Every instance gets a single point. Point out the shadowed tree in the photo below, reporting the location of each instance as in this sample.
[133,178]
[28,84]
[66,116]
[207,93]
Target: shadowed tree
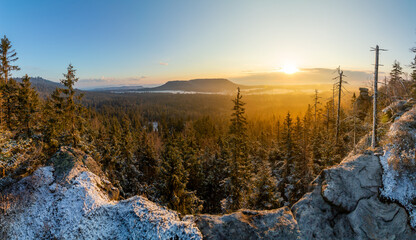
[66,121]
[238,184]
[8,90]
[28,103]
[7,57]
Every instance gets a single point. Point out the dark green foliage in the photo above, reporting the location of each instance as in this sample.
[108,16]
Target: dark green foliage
[28,107]
[239,182]
[7,57]
[396,84]
[10,106]
[65,123]
[413,65]
[174,180]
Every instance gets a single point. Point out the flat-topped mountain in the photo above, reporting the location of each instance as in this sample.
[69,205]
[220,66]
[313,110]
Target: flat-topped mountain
[197,85]
[120,88]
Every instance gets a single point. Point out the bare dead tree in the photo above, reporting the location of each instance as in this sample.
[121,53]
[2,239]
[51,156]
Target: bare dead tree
[340,88]
[374,135]
[315,105]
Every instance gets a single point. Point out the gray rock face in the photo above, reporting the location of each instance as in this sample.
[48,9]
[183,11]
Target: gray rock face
[248,224]
[357,177]
[345,205]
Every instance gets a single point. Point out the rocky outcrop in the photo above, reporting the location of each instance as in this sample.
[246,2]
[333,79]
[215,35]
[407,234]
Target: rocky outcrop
[363,103]
[69,201]
[345,204]
[248,224]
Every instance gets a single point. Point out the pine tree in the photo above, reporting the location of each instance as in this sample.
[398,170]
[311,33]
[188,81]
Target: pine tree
[267,195]
[173,181]
[10,103]
[147,157]
[215,169]
[7,57]
[66,120]
[8,90]
[28,106]
[413,65]
[396,80]
[239,180]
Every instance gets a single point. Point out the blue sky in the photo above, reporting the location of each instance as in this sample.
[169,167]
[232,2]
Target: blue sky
[150,42]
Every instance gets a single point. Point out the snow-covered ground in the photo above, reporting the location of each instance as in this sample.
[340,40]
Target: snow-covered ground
[398,163]
[78,208]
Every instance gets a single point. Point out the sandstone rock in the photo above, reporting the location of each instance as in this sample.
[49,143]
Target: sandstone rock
[354,178]
[373,219]
[78,208]
[244,224]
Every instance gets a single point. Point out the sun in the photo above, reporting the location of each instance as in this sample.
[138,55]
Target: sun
[289,69]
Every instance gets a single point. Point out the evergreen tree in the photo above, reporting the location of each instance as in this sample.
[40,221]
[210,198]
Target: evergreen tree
[10,103]
[267,195]
[7,57]
[396,81]
[8,90]
[413,65]
[215,173]
[239,180]
[28,106]
[173,181]
[66,113]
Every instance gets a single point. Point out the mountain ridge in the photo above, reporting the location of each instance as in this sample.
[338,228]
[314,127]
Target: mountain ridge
[197,85]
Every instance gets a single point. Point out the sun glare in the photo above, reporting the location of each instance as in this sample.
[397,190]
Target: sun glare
[289,69]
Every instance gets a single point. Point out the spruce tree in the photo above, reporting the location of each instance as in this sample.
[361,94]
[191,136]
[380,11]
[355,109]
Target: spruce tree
[173,181]
[27,107]
[240,174]
[10,103]
[8,91]
[413,65]
[396,80]
[267,195]
[66,120]
[7,57]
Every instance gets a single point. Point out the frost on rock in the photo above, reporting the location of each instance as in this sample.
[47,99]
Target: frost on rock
[44,206]
[398,163]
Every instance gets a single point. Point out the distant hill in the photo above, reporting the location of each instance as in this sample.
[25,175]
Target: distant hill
[121,88]
[43,86]
[197,85]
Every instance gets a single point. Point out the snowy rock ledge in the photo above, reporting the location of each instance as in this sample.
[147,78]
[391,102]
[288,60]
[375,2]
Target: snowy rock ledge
[399,166]
[75,205]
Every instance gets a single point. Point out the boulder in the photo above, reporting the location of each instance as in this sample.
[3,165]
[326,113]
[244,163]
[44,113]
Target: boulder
[249,224]
[72,204]
[355,178]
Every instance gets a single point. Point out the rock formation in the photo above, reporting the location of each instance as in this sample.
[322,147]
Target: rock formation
[69,201]
[363,103]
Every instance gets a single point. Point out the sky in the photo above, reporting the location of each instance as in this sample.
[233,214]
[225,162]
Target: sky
[150,42]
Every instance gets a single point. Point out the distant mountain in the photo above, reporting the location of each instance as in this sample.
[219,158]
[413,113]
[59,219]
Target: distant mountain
[43,86]
[197,85]
[121,88]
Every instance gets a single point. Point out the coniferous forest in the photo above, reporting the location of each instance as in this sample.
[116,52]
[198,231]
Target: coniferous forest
[192,153]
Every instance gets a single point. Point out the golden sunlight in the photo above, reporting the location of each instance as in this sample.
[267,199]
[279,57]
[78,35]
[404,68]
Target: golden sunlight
[289,69]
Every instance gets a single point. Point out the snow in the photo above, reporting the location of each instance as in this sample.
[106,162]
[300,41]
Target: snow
[398,163]
[81,210]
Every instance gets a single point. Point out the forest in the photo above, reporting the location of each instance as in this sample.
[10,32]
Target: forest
[191,153]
